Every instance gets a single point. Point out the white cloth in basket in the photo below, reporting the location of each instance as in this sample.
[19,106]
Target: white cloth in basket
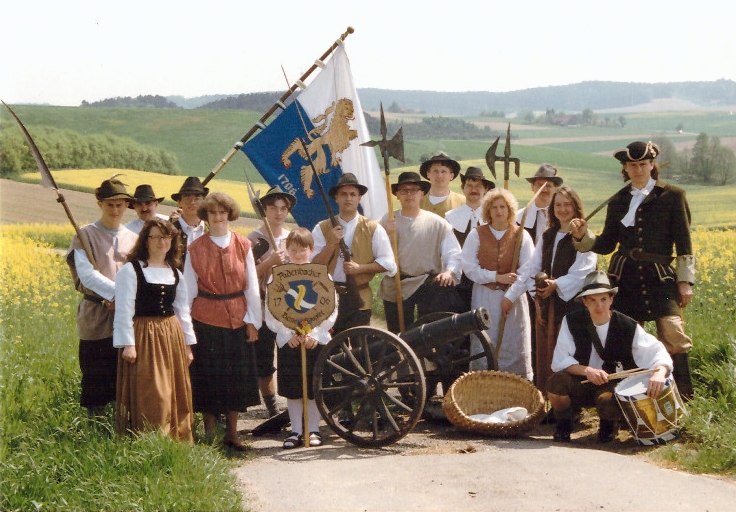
[508,415]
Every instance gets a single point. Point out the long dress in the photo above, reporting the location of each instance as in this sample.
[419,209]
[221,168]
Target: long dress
[222,286]
[515,354]
[152,313]
[556,256]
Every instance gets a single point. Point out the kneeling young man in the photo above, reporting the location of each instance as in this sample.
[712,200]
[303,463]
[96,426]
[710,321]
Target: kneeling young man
[593,343]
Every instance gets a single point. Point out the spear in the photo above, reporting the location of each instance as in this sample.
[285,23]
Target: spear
[47,181]
[279,104]
[392,148]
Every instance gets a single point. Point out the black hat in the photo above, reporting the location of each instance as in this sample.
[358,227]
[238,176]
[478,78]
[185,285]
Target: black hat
[546,172]
[191,185]
[144,193]
[636,151]
[595,282]
[475,173]
[112,189]
[347,178]
[441,158]
[275,192]
[411,177]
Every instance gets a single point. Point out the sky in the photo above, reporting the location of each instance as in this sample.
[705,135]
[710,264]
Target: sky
[61,53]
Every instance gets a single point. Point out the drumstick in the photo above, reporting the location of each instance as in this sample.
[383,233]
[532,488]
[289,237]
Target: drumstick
[625,373]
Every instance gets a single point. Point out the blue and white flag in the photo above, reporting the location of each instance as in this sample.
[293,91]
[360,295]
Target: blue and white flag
[331,111]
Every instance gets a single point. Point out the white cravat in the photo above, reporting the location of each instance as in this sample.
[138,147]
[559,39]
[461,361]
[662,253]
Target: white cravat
[637,198]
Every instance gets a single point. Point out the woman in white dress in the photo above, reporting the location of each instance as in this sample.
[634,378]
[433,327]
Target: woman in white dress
[486,259]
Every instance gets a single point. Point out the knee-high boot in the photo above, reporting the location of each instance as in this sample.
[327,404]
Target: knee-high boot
[681,374]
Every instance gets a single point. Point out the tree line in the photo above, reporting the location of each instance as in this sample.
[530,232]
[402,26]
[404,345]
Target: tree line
[435,127]
[147,101]
[67,149]
[707,162]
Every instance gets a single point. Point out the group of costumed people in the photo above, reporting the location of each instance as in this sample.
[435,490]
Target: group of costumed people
[167,298]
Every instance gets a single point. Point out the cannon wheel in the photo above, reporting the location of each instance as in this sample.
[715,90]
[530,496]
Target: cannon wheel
[360,379]
[454,359]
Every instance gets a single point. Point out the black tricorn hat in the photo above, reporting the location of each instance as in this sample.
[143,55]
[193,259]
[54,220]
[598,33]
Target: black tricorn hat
[441,158]
[144,193]
[475,173]
[636,151]
[191,185]
[546,172]
[347,178]
[275,192]
[112,189]
[411,177]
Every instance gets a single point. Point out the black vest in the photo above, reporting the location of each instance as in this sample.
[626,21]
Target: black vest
[154,299]
[619,340]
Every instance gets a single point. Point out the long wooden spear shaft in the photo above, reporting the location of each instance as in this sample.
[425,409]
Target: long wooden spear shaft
[47,181]
[515,263]
[279,104]
[392,148]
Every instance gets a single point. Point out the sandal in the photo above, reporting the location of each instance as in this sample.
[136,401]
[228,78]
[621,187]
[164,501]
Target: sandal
[315,439]
[293,441]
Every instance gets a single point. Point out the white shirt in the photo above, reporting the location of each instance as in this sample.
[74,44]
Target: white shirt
[380,244]
[136,225]
[253,315]
[192,232]
[648,351]
[91,278]
[570,284]
[462,215]
[126,289]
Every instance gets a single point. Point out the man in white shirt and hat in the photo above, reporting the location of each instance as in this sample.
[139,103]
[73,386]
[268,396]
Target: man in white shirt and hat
[145,206]
[536,220]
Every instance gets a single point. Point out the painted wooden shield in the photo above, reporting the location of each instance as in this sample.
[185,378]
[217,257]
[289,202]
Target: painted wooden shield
[301,296]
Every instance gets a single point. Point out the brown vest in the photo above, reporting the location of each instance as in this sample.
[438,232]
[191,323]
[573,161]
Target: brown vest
[497,254]
[361,252]
[220,271]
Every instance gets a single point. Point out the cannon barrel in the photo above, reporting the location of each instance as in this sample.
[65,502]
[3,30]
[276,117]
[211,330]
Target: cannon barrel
[423,339]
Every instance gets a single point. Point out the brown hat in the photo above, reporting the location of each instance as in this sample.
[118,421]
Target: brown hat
[410,177]
[595,282]
[191,185]
[112,189]
[275,192]
[636,151]
[347,178]
[547,172]
[475,173]
[443,159]
[144,193]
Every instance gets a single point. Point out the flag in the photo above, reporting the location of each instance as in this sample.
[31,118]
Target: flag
[330,109]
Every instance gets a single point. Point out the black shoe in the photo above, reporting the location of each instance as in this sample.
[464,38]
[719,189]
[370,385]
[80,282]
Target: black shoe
[607,431]
[563,429]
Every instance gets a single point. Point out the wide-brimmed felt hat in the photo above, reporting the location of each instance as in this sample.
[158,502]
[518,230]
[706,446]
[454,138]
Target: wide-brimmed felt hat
[637,150]
[475,173]
[191,185]
[144,193]
[275,192]
[112,189]
[596,282]
[439,158]
[547,172]
[347,178]
[411,177]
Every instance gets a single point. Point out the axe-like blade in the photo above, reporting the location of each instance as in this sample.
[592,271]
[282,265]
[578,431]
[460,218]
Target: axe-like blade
[255,201]
[395,146]
[491,157]
[389,148]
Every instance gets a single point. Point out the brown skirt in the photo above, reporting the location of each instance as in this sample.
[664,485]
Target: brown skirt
[155,392]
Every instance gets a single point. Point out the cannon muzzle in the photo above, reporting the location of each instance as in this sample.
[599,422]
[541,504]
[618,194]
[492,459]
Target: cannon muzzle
[425,338]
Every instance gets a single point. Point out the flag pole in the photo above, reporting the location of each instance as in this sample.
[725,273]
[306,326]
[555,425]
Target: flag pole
[279,104]
[48,181]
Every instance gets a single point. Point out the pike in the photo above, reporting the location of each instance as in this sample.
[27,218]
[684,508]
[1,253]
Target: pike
[491,159]
[392,148]
[352,297]
[279,104]
[47,181]
[515,263]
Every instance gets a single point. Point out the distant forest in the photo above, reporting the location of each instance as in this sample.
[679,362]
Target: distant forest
[594,95]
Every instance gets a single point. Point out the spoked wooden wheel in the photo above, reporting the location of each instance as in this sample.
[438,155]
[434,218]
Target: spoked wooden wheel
[360,380]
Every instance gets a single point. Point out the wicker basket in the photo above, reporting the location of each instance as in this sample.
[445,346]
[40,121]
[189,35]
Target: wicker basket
[486,392]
